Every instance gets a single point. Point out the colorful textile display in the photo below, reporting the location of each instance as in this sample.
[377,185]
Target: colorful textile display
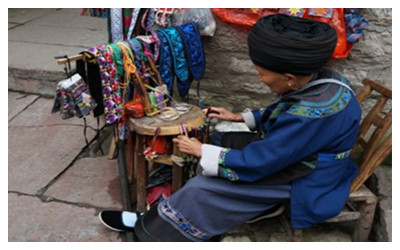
[128,70]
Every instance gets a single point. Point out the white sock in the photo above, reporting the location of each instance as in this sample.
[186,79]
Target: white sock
[129,218]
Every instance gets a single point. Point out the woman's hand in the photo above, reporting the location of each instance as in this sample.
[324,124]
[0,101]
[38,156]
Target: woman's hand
[223,114]
[188,145]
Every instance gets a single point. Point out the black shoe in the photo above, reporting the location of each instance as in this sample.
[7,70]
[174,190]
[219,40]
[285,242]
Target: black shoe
[113,220]
[272,212]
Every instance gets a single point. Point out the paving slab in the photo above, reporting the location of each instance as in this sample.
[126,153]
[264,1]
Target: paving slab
[39,114]
[31,33]
[41,146]
[71,18]
[18,102]
[36,36]
[36,56]
[12,25]
[93,181]
[37,155]
[30,219]
[21,16]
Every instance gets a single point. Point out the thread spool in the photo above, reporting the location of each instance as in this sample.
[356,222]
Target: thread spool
[153,101]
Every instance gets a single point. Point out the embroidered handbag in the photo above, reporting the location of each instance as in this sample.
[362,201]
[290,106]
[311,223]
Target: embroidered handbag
[73,98]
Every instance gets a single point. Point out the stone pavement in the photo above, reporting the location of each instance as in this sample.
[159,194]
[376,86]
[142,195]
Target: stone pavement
[54,190]
[56,184]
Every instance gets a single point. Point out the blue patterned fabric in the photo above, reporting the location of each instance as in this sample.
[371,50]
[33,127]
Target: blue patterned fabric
[181,54]
[355,24]
[179,60]
[209,206]
[165,62]
[164,208]
[178,53]
[194,49]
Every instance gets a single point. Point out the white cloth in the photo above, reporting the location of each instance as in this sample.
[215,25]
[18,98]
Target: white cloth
[209,159]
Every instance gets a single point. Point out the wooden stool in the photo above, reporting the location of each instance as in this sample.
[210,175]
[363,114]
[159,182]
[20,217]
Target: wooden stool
[137,165]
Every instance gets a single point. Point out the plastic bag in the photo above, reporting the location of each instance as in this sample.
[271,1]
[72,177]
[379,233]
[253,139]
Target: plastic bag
[332,16]
[203,17]
[335,18]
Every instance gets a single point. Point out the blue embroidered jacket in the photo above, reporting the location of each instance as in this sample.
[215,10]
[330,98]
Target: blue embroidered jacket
[319,123]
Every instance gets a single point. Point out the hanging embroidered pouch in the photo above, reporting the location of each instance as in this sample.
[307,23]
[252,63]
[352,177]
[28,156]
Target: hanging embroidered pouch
[73,98]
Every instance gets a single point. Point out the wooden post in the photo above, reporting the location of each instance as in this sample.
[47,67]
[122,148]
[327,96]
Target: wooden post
[177,171]
[112,151]
[129,156]
[141,174]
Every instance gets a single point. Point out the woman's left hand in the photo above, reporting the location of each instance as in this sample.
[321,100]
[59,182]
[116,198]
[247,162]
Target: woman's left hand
[188,145]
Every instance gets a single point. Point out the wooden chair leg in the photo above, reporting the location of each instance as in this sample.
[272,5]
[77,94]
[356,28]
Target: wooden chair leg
[363,226]
[177,171]
[130,148]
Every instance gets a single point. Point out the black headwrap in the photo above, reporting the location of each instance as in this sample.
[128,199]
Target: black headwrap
[288,44]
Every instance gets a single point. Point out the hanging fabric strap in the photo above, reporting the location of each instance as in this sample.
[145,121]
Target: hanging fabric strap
[180,63]
[178,53]
[98,136]
[135,14]
[194,49]
[194,54]
[116,24]
[165,62]
[137,49]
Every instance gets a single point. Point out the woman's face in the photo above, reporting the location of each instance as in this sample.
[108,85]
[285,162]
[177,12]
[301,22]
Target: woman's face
[277,83]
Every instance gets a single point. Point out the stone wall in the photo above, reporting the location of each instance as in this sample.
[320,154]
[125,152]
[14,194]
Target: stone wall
[231,81]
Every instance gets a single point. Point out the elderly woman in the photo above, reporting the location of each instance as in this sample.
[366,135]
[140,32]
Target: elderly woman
[299,150]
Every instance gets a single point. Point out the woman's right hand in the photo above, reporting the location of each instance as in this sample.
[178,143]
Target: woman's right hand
[223,114]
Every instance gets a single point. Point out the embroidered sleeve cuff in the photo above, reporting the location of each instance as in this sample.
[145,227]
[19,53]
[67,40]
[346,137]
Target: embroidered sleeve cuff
[210,159]
[249,119]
